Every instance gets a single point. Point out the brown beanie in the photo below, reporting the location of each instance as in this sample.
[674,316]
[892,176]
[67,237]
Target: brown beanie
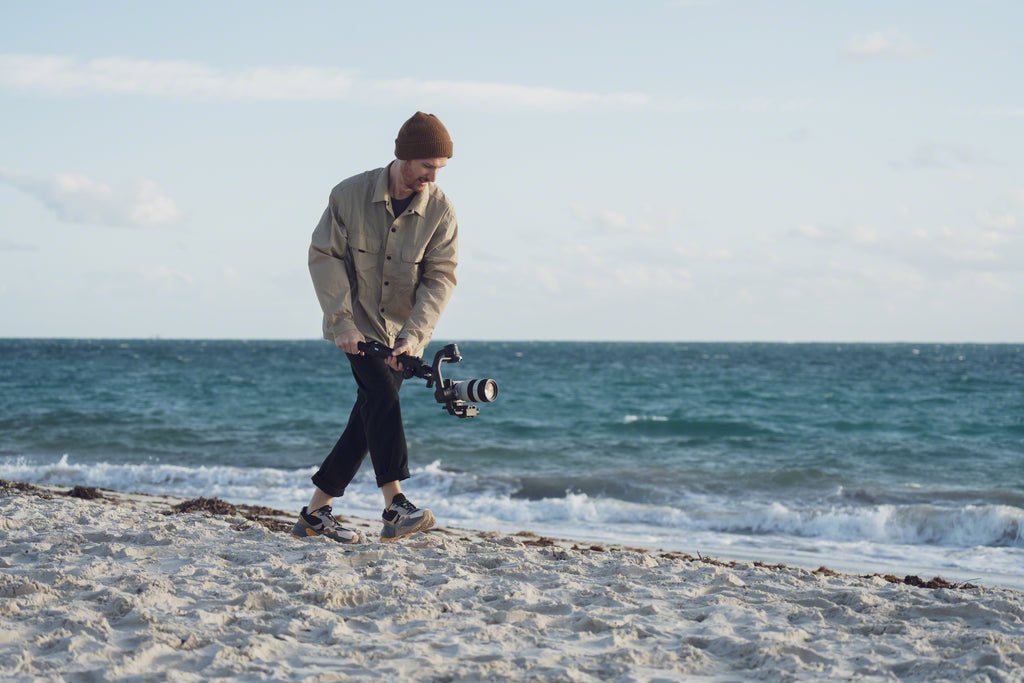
[423,137]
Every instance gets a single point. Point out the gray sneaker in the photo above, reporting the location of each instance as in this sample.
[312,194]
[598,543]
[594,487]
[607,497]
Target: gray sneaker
[322,523]
[402,518]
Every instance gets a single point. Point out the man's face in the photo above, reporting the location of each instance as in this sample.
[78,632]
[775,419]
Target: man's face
[416,173]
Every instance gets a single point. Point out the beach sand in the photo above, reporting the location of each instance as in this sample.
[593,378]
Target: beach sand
[113,589]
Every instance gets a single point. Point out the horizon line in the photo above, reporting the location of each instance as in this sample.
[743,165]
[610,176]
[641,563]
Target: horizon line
[525,340]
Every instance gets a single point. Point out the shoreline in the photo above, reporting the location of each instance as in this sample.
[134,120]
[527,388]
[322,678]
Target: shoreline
[111,588]
[281,521]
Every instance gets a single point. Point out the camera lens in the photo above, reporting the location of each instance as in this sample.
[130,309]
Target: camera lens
[477,390]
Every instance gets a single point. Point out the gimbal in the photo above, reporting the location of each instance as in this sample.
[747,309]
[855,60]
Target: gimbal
[453,395]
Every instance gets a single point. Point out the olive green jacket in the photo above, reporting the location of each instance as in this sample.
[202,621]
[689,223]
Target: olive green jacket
[384,276]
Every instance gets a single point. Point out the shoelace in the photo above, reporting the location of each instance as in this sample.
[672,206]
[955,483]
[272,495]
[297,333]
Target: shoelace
[406,505]
[328,517]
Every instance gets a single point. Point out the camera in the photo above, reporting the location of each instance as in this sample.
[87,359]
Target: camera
[455,396]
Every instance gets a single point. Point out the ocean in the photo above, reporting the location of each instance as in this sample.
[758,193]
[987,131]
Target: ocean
[887,458]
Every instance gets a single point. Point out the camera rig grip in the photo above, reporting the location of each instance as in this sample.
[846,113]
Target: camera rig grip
[412,366]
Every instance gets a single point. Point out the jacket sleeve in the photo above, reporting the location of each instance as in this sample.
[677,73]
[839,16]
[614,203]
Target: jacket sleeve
[436,282]
[330,276]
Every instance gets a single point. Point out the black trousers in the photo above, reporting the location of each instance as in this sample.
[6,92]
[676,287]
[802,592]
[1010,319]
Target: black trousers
[374,426]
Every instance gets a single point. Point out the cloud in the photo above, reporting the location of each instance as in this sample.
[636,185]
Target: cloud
[809,232]
[883,44]
[1000,223]
[606,221]
[642,277]
[76,198]
[932,155]
[859,235]
[66,76]
[799,135]
[757,105]
[15,246]
[1000,112]
[548,279]
[700,254]
[992,242]
[611,279]
[505,95]
[59,75]
[168,279]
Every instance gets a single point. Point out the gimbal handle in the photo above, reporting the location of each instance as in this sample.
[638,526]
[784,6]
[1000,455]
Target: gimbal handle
[412,366]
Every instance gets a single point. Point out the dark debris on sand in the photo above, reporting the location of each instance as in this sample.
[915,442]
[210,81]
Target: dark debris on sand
[215,506]
[530,538]
[10,488]
[918,582]
[85,493]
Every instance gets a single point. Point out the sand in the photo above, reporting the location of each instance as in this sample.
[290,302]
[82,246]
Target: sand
[112,589]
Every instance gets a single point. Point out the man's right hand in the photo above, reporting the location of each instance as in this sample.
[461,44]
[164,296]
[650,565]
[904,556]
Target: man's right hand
[349,341]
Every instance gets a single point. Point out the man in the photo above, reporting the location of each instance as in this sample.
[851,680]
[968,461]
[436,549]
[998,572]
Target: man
[383,263]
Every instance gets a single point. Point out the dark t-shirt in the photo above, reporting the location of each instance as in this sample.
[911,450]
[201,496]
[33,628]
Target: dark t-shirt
[398,206]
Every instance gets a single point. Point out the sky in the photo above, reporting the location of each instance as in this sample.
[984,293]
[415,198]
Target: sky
[677,170]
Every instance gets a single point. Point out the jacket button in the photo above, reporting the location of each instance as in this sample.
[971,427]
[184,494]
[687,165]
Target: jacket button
[386,283]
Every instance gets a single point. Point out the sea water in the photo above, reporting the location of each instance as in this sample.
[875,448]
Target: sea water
[888,458]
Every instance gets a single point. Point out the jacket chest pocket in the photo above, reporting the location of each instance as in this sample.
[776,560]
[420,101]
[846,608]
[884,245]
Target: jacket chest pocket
[415,235]
[365,251]
[407,270]
[412,252]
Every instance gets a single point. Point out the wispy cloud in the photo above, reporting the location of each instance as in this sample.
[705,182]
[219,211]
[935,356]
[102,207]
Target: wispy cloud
[15,246]
[167,279]
[1000,112]
[611,279]
[506,95]
[883,44]
[56,75]
[935,155]
[692,3]
[60,75]
[991,242]
[930,155]
[757,106]
[77,198]
[610,222]
[858,235]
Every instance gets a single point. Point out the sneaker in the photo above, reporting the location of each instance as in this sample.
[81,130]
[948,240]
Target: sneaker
[322,523]
[402,518]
